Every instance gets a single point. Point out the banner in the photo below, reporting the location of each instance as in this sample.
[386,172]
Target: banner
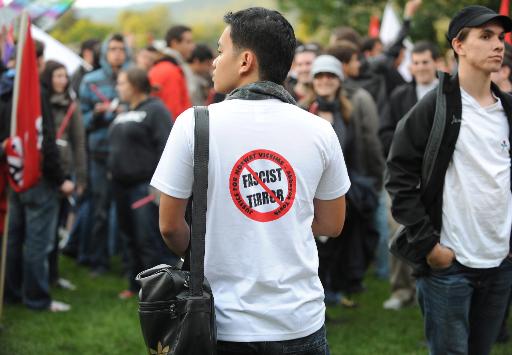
[44,13]
[389,30]
[55,50]
[374,27]
[7,40]
[24,146]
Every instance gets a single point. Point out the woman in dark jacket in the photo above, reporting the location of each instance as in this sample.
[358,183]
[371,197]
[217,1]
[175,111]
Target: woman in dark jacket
[70,138]
[70,131]
[137,139]
[344,260]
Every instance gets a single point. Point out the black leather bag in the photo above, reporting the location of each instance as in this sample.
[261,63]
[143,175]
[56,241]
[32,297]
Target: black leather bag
[176,308]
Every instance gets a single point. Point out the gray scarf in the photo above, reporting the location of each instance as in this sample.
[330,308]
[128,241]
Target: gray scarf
[261,90]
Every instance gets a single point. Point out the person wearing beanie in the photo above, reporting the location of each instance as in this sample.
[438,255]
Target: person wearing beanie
[449,177]
[344,261]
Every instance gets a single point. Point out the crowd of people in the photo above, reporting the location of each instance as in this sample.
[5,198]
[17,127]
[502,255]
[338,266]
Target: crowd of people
[106,127]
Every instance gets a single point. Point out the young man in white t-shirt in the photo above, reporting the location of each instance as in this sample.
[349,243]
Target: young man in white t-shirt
[455,200]
[276,179]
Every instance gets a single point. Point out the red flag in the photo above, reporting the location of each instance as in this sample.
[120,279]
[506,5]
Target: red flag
[505,10]
[23,148]
[374,27]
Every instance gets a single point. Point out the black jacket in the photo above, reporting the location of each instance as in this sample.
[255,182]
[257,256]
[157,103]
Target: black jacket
[378,74]
[137,140]
[417,205]
[401,101]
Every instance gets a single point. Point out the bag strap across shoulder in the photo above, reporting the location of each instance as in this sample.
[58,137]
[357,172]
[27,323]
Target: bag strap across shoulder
[199,193]
[436,133]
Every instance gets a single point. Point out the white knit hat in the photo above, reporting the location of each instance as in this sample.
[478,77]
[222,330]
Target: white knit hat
[327,64]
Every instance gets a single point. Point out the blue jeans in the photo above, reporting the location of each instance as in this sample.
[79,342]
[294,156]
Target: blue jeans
[139,230]
[101,193]
[381,222]
[463,307]
[33,216]
[81,231]
[314,344]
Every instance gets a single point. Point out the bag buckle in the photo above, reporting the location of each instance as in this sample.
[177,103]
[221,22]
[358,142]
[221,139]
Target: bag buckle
[172,310]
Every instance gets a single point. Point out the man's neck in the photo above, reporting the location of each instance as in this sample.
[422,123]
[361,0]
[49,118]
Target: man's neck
[249,79]
[477,84]
[431,83]
[506,86]
[137,99]
[301,89]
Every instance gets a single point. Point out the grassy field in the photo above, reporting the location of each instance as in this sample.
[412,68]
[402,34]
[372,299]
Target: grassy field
[100,324]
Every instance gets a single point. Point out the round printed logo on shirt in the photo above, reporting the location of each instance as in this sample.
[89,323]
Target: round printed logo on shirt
[262,185]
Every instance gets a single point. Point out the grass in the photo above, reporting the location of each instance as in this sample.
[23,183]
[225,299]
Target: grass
[100,324]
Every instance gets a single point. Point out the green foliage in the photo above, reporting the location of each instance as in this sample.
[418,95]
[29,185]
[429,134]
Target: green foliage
[429,22]
[81,30]
[100,323]
[144,25]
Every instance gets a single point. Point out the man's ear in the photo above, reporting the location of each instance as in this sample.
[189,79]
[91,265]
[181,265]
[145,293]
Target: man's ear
[247,63]
[173,43]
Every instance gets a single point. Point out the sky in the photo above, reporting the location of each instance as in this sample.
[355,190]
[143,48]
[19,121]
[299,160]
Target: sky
[114,3]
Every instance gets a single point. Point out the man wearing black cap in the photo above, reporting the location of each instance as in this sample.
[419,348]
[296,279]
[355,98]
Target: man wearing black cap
[449,176]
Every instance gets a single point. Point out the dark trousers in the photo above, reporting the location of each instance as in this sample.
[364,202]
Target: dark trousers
[139,230]
[314,344]
[463,307]
[32,227]
[101,194]
[53,258]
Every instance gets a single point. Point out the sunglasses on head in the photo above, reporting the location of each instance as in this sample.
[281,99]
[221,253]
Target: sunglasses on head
[309,47]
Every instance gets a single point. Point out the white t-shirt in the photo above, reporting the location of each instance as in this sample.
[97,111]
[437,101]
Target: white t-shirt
[422,90]
[477,202]
[268,161]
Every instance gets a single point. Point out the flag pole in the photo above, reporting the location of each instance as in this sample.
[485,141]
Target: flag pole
[17,78]
[19,57]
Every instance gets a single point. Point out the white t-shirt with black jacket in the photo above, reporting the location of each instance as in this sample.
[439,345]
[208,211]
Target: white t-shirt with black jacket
[477,201]
[268,161]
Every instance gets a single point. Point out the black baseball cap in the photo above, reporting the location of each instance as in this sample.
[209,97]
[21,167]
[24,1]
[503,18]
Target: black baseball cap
[475,16]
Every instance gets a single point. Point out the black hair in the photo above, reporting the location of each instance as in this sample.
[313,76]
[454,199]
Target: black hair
[175,33]
[348,34]
[202,53]
[117,37]
[368,43]
[39,48]
[138,78]
[150,48]
[91,44]
[343,51]
[269,35]
[423,46]
[47,75]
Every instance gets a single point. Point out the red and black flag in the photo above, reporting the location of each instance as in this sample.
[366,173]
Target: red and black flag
[24,146]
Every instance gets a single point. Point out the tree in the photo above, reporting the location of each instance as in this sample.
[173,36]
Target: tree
[429,22]
[81,30]
[145,25]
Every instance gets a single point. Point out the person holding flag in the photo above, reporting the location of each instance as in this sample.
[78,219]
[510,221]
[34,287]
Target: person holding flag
[36,179]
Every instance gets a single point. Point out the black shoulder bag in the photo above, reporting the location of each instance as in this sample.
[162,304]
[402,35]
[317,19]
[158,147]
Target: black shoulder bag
[176,309]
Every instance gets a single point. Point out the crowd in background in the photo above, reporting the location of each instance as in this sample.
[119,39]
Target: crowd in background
[105,129]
